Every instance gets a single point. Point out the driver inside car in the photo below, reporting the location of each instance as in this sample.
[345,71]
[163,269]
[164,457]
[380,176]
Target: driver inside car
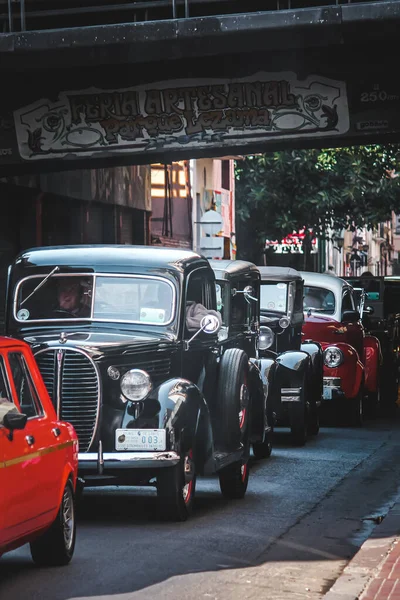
[71,299]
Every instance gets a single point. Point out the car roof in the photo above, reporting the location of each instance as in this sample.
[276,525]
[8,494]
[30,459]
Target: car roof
[330,282]
[279,274]
[226,269]
[101,255]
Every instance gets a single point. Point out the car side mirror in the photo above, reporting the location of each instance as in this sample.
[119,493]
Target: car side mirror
[209,324]
[350,315]
[14,420]
[369,310]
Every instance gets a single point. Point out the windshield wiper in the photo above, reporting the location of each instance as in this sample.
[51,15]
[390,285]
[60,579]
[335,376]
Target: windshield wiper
[40,284]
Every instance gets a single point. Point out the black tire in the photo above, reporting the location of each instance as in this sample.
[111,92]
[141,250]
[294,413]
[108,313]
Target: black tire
[176,488]
[234,478]
[233,397]
[298,415]
[356,409]
[313,421]
[56,546]
[263,449]
[372,404]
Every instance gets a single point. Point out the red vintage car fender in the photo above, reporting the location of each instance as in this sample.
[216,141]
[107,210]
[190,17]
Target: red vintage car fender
[372,362]
[351,371]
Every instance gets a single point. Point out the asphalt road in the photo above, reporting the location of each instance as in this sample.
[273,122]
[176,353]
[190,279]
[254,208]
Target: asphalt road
[306,512]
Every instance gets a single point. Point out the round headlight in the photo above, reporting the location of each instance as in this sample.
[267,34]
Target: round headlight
[266,338]
[136,385]
[284,322]
[333,357]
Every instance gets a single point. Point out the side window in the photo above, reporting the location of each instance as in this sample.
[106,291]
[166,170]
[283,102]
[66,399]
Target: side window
[347,303]
[298,298]
[26,392]
[5,393]
[241,310]
[200,298]
[6,403]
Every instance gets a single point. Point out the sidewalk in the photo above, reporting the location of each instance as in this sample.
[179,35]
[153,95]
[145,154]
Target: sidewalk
[374,572]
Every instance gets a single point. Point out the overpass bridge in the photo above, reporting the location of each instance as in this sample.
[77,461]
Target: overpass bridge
[123,82]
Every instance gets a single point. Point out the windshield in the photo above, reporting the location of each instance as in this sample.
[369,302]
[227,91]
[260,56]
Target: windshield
[319,300]
[135,299]
[273,297]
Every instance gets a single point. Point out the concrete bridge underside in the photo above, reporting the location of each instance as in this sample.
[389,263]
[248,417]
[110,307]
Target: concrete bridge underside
[117,93]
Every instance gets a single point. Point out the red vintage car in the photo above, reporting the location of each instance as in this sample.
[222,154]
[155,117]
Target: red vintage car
[352,359]
[38,462]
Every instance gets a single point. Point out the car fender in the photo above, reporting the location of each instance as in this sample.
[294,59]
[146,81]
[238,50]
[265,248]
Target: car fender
[351,371]
[372,361]
[179,407]
[70,450]
[262,416]
[314,350]
[292,367]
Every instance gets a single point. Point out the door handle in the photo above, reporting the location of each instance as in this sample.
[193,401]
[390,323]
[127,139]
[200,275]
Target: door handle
[56,432]
[30,440]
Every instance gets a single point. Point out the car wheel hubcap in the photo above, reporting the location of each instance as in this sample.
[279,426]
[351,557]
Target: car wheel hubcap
[188,471]
[243,471]
[68,517]
[244,400]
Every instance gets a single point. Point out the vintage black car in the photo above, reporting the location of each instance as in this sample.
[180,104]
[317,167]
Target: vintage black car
[299,372]
[238,300]
[126,340]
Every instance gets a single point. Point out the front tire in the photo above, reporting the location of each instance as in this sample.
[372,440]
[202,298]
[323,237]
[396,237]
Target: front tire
[233,397]
[263,449]
[176,488]
[356,409]
[299,417]
[234,478]
[56,546]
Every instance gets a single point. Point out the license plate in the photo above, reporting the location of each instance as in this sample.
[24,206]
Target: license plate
[327,393]
[140,439]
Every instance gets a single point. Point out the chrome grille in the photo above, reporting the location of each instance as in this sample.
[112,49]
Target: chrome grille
[73,385]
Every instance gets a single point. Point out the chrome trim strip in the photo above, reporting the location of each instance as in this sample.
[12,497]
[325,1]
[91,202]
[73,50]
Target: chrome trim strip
[59,364]
[332,382]
[128,456]
[96,370]
[291,391]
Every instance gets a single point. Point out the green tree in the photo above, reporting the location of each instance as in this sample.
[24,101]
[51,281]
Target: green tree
[319,190]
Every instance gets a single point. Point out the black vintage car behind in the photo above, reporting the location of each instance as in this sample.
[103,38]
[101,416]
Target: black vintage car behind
[299,372]
[238,300]
[126,340]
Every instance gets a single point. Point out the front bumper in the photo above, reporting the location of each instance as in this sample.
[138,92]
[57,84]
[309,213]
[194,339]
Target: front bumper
[291,394]
[101,463]
[332,388]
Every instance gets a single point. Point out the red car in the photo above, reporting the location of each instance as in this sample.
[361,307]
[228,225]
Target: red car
[352,359]
[38,462]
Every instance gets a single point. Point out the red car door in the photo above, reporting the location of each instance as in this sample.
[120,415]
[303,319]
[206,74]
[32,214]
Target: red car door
[15,509]
[5,405]
[34,462]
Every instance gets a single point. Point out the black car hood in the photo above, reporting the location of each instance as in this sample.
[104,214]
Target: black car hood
[99,341]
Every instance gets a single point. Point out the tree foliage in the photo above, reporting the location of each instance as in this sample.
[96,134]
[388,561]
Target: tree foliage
[281,192]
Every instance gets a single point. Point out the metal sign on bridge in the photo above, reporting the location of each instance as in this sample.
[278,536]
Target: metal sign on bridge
[181,114]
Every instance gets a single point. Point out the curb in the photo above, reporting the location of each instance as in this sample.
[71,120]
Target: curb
[365,565]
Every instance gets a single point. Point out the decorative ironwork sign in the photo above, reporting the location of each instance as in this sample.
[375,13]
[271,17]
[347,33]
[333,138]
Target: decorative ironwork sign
[182,114]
